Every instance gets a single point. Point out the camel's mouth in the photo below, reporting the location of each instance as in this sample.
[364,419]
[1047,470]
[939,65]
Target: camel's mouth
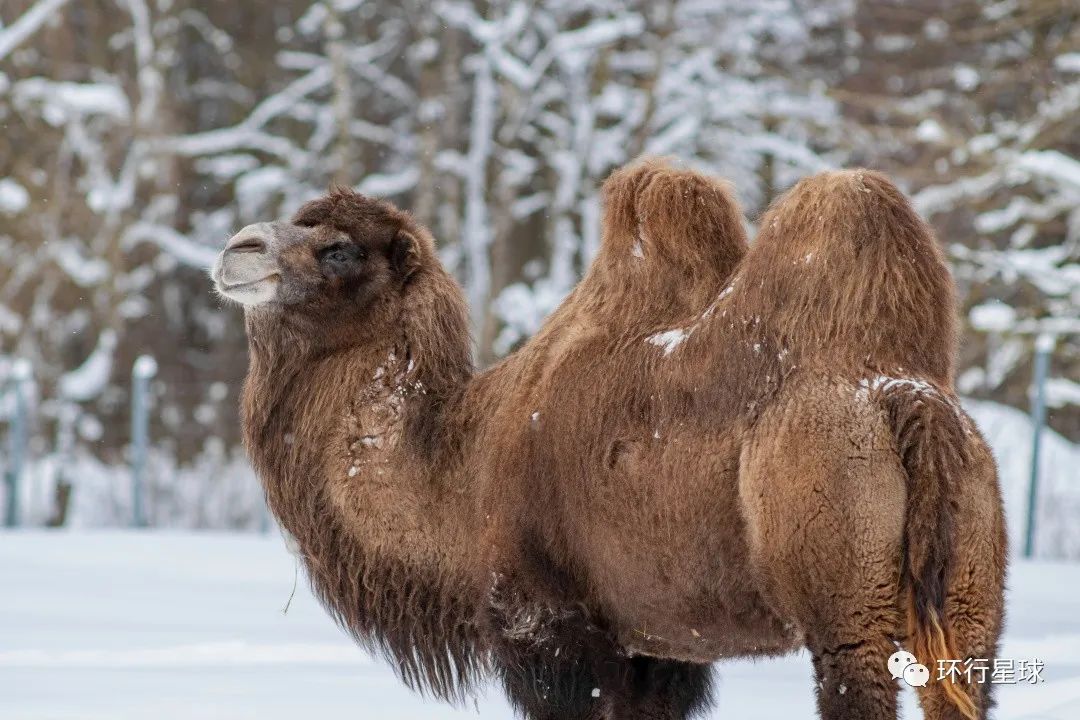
[252,292]
[247,271]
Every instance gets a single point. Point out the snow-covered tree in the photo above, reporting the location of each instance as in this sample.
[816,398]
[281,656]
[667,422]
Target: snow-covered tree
[976,107]
[139,134]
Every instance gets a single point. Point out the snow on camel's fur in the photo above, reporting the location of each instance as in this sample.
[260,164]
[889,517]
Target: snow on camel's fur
[607,511]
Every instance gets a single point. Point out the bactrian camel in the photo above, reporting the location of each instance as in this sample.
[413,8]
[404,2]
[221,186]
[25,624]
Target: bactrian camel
[707,452]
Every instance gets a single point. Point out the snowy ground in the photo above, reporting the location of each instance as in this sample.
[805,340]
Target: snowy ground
[137,625]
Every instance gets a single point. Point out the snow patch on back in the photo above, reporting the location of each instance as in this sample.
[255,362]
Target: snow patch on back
[729,289]
[890,383]
[670,340]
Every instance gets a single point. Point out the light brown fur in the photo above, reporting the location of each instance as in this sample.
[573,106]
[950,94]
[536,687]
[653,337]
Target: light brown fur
[609,508]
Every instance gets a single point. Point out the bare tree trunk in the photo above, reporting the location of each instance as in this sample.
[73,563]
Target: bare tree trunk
[665,25]
[504,264]
[448,212]
[430,110]
[334,31]
[768,166]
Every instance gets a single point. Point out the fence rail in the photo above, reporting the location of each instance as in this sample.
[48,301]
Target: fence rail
[20,380]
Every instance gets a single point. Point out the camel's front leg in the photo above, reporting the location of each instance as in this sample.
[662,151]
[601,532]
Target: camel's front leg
[554,663]
[557,664]
[581,683]
[661,690]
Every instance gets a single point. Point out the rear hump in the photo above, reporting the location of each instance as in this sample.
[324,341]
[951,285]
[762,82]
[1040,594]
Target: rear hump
[844,268]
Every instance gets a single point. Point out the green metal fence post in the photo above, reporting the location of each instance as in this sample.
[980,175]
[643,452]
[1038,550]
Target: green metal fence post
[1044,345]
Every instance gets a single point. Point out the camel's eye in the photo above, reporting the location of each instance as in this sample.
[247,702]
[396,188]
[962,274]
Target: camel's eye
[341,255]
[337,255]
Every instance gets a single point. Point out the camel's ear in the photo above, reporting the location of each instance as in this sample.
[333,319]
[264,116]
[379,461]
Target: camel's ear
[404,254]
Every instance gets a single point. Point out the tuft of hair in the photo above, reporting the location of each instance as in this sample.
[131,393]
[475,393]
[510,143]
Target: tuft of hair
[932,438]
[426,633]
[843,264]
[347,210]
[932,641]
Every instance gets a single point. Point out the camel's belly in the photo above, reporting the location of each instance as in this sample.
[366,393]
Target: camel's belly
[688,620]
[716,639]
[690,596]
[664,545]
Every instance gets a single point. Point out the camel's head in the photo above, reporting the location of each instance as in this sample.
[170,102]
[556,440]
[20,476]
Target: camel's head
[334,265]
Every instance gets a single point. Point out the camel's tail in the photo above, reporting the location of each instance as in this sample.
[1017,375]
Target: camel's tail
[932,437]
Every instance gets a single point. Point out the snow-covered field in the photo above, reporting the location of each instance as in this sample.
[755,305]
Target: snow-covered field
[117,625]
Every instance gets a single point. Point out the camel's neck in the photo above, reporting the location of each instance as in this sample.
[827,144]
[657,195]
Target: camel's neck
[352,450]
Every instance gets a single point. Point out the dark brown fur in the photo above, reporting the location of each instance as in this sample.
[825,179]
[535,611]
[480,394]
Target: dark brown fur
[659,479]
[411,606]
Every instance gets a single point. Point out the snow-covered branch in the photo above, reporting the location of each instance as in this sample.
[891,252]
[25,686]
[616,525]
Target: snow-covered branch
[28,23]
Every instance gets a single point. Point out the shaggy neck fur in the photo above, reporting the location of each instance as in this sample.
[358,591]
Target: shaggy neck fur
[358,453]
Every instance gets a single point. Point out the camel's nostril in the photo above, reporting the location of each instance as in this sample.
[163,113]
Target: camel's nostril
[247,245]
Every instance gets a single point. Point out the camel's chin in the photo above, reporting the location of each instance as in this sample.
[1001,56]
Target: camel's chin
[251,294]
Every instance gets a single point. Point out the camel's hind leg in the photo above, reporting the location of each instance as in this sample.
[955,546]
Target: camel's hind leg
[974,605]
[824,499]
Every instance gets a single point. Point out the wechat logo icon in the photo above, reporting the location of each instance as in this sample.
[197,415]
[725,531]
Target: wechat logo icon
[903,666]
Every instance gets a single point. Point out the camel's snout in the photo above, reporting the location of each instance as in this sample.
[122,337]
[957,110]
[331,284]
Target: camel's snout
[246,270]
[250,243]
